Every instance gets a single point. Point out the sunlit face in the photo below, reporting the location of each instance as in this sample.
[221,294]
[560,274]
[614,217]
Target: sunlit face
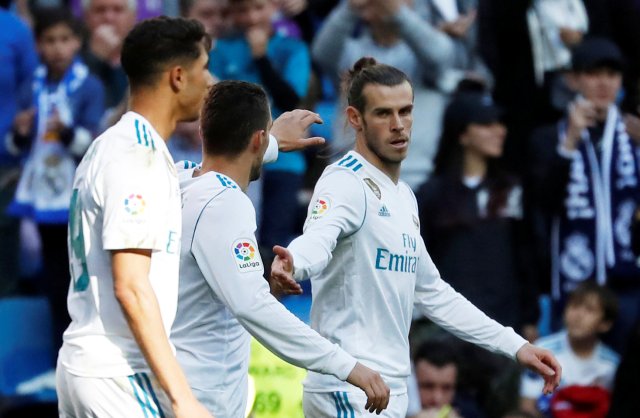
[437,385]
[114,13]
[385,125]
[199,80]
[211,13]
[252,13]
[600,86]
[58,45]
[585,319]
[484,140]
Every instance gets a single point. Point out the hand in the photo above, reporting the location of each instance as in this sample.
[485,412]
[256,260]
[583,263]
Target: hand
[291,127]
[542,362]
[23,122]
[387,8]
[258,39]
[570,37]
[105,42]
[190,409]
[582,115]
[373,386]
[292,7]
[632,123]
[54,124]
[459,27]
[281,279]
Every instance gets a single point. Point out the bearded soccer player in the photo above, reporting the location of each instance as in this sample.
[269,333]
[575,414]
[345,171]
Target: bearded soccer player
[368,265]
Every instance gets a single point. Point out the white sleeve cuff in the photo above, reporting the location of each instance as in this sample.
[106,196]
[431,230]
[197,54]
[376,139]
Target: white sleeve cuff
[271,154]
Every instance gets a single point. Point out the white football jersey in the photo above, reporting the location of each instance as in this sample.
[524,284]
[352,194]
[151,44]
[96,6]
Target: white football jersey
[125,195]
[368,266]
[223,292]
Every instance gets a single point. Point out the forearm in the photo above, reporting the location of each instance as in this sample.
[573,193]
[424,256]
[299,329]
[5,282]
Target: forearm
[329,42]
[312,252]
[450,310]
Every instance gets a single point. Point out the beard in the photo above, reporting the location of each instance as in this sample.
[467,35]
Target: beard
[256,171]
[377,148]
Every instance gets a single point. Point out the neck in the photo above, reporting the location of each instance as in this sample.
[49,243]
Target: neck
[474,165]
[384,34]
[583,347]
[391,169]
[237,168]
[156,107]
[602,114]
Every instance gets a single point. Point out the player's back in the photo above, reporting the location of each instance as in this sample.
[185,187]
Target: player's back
[125,195]
[211,345]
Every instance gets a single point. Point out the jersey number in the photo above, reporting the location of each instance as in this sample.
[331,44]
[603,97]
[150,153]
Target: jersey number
[78,261]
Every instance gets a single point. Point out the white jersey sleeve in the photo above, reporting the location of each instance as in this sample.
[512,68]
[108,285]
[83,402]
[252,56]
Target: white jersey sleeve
[232,267]
[337,210]
[133,192]
[449,309]
[271,154]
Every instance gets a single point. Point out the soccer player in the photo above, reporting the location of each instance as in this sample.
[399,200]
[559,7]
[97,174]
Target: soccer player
[124,239]
[368,265]
[222,289]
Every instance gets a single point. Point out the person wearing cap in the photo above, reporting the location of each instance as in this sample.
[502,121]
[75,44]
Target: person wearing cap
[586,182]
[471,216]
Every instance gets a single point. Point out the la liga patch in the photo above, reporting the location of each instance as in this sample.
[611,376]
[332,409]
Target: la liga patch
[320,208]
[246,255]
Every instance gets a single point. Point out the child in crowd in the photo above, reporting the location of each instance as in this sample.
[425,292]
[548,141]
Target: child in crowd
[60,113]
[588,366]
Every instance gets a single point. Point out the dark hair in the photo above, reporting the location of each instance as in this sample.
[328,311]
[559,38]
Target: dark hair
[46,18]
[367,71]
[154,44]
[606,297]
[448,167]
[436,352]
[232,112]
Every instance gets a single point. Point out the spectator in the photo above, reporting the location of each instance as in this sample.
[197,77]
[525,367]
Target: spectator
[393,33]
[108,22]
[555,28]
[211,13]
[588,366]
[18,60]
[58,118]
[457,19]
[258,54]
[471,216]
[586,179]
[437,377]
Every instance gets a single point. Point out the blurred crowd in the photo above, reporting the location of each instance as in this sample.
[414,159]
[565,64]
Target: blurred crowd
[524,157]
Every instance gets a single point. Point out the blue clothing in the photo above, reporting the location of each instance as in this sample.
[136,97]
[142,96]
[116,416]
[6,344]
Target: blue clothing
[45,186]
[18,60]
[231,60]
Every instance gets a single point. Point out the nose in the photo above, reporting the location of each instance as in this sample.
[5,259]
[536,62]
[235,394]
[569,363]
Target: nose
[396,123]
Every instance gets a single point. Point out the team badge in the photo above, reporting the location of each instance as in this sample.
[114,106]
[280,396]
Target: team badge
[134,204]
[246,255]
[321,207]
[374,187]
[577,262]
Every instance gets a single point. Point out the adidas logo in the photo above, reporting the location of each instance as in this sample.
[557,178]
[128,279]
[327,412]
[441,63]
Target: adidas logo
[384,211]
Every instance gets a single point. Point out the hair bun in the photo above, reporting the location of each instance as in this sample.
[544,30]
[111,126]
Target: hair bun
[361,65]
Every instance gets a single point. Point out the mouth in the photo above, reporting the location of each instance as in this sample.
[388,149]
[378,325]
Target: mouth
[400,143]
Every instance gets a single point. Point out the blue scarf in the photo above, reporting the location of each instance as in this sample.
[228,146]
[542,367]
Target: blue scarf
[44,190]
[591,239]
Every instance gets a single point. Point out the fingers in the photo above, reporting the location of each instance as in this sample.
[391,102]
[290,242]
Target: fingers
[284,255]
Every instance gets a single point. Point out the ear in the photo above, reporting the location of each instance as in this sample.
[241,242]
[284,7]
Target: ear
[177,78]
[355,118]
[257,140]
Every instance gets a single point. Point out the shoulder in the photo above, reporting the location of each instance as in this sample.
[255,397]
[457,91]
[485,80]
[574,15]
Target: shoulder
[129,143]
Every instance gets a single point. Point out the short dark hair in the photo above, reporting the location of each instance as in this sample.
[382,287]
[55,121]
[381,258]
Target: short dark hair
[436,352]
[232,112]
[607,298]
[155,43]
[46,18]
[367,71]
